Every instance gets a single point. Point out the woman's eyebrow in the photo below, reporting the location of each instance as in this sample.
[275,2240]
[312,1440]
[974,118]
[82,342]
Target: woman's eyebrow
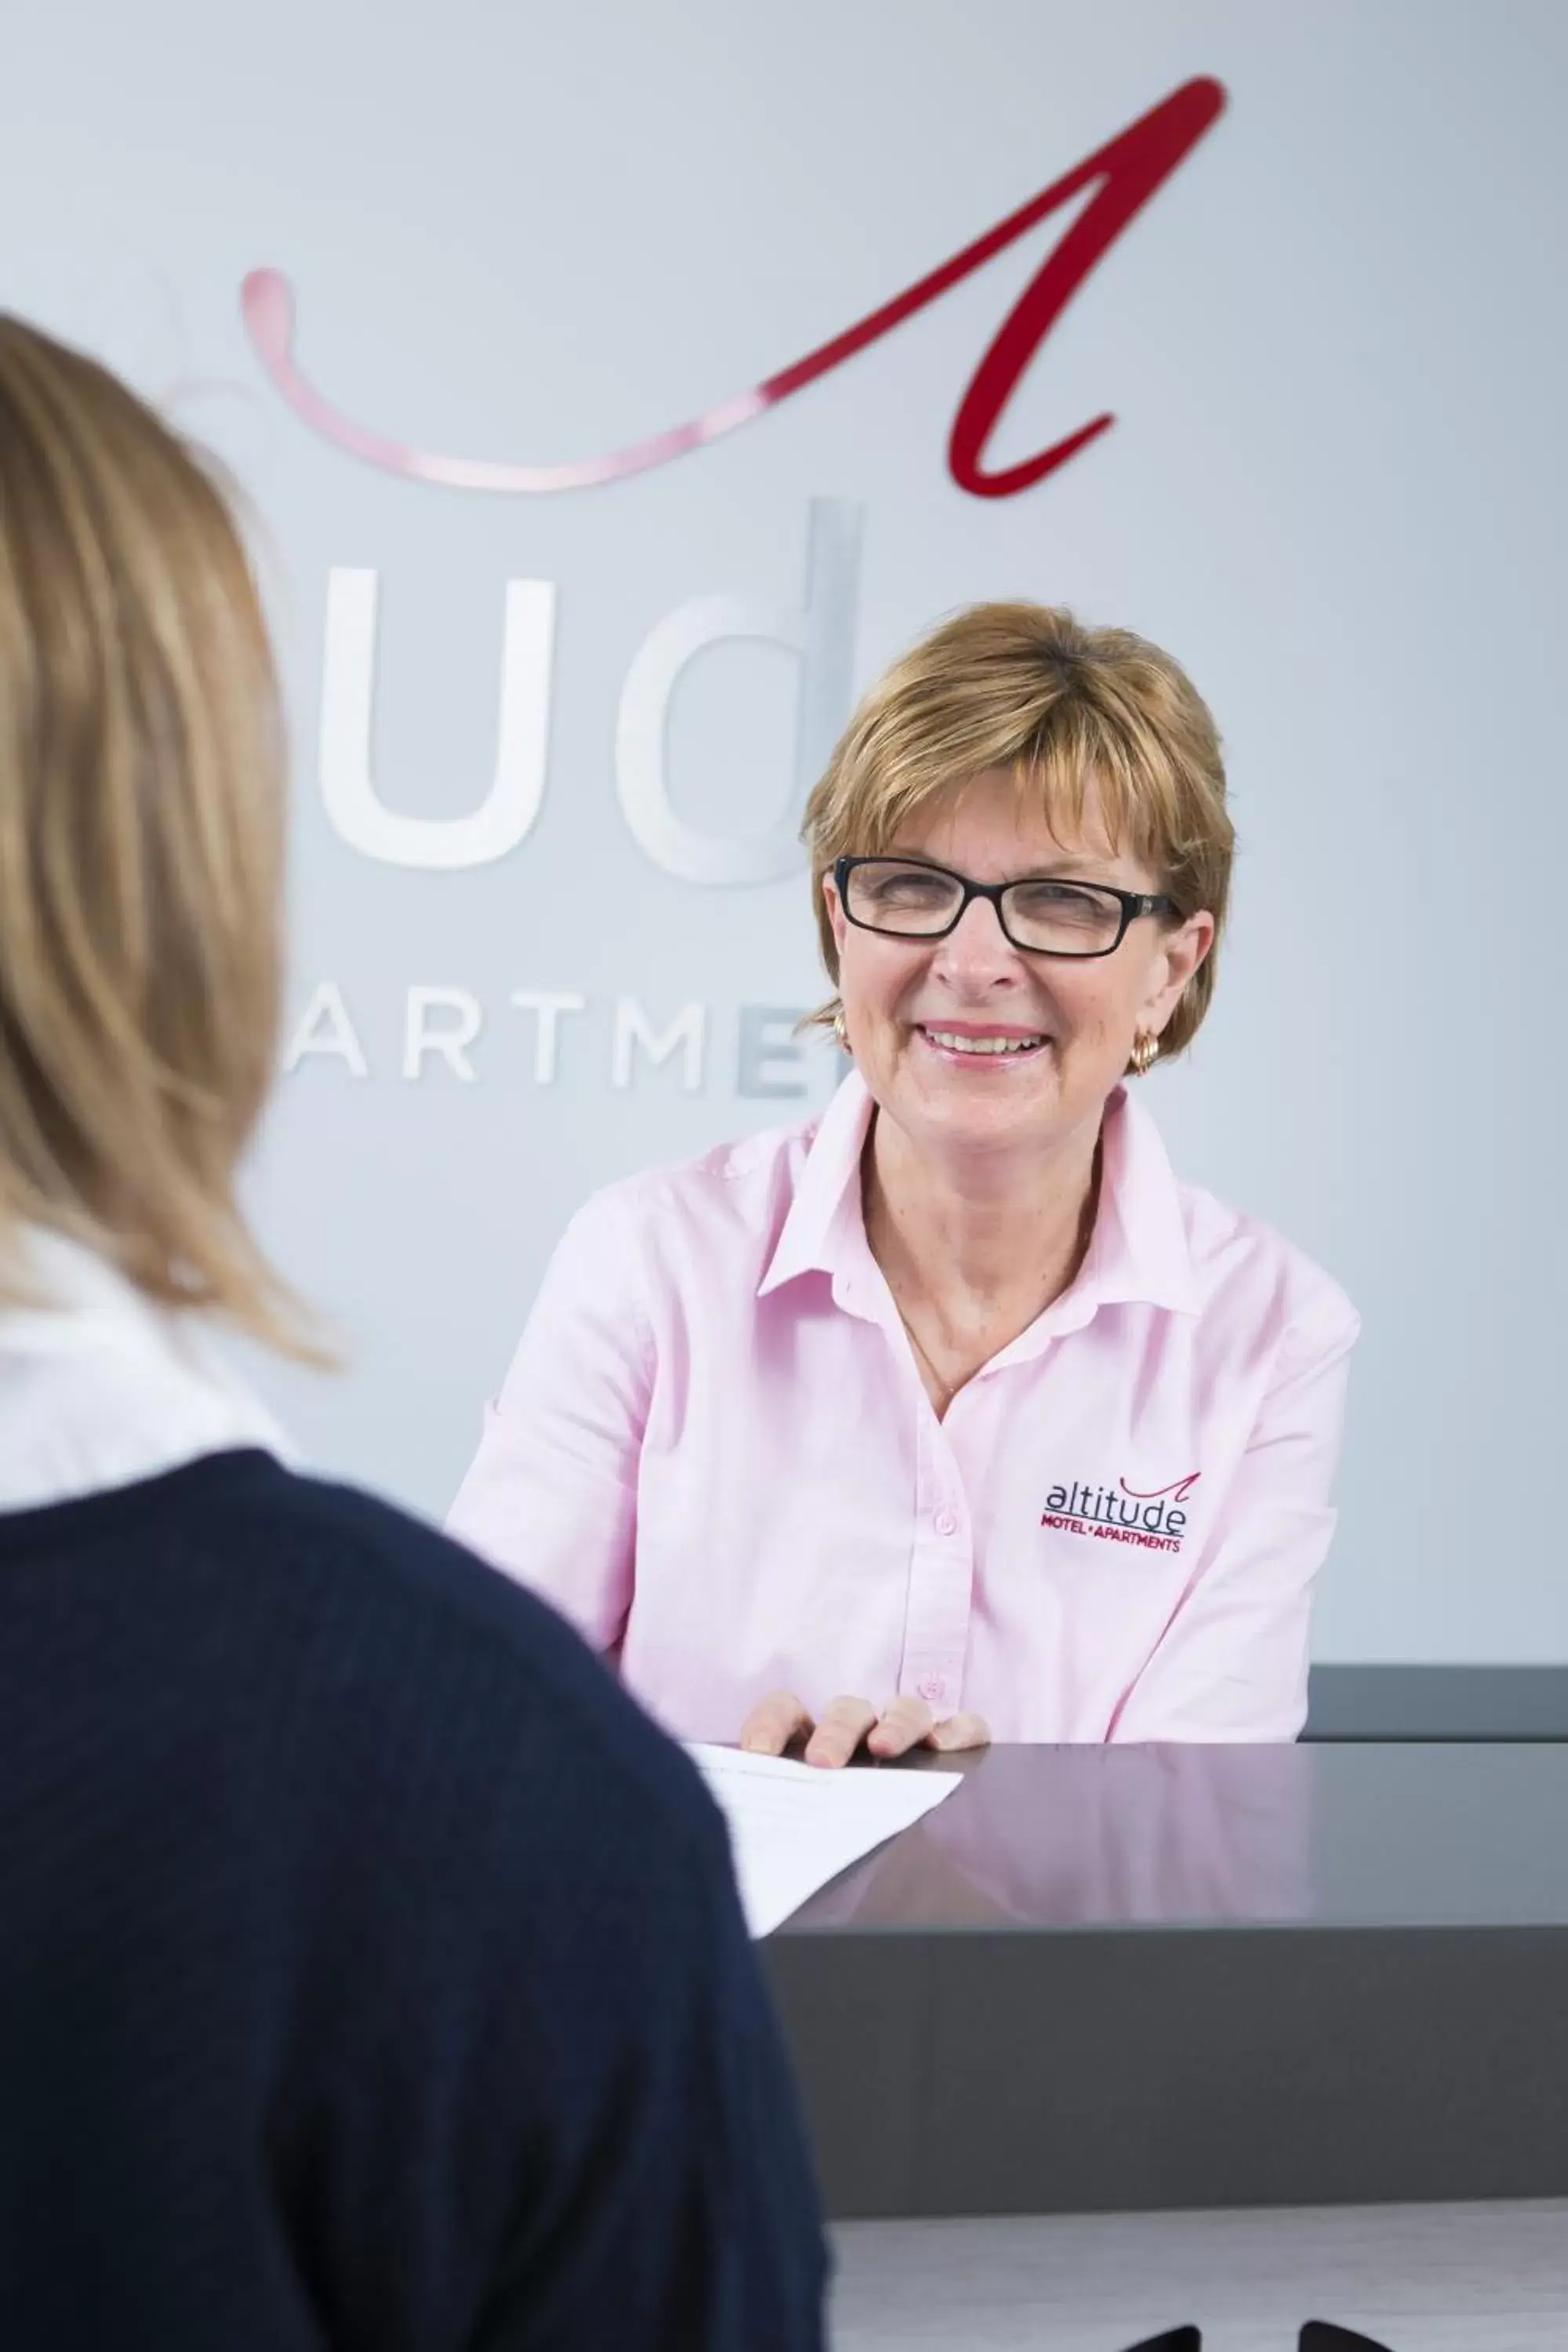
[1069,862]
[1072,866]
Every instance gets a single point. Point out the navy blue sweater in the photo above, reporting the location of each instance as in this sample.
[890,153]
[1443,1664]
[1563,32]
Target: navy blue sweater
[370,1971]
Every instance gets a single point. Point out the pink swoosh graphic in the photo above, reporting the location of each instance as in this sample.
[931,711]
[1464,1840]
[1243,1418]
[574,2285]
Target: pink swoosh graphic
[1179,1488]
[1131,168]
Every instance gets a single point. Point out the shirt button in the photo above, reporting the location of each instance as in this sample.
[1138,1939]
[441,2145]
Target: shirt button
[946,1523]
[932,1689]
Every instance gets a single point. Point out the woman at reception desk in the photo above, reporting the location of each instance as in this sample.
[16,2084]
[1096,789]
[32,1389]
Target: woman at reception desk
[952,1414]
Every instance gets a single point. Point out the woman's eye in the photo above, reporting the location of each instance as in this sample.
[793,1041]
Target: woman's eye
[1061,900]
[911,889]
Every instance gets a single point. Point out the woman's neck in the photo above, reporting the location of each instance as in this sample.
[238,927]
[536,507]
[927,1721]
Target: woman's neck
[974,1246]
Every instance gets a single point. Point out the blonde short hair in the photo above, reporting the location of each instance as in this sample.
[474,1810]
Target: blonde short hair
[142,842]
[1027,687]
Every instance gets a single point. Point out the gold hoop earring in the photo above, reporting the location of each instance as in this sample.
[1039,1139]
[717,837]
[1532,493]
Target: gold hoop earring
[840,1029]
[1145,1055]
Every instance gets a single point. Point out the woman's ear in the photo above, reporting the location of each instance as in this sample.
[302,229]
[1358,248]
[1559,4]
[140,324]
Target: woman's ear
[1181,951]
[836,914]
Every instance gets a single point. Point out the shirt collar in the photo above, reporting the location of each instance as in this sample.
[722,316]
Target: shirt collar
[1138,1253]
[826,1212]
[100,1387]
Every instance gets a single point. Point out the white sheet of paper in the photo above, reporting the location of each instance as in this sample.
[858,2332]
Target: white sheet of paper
[794,1826]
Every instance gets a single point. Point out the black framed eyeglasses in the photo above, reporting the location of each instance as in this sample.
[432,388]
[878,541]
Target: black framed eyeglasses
[904,898]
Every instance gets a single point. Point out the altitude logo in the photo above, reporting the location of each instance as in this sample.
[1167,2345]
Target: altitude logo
[1124,174]
[1152,1517]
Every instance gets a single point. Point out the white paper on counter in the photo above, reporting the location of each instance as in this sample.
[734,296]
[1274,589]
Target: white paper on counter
[794,1826]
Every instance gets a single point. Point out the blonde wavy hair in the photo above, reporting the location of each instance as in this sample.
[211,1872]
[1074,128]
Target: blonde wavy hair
[141,845]
[1027,687]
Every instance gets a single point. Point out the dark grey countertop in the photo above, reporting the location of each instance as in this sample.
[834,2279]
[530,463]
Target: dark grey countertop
[1381,1836]
[1117,1978]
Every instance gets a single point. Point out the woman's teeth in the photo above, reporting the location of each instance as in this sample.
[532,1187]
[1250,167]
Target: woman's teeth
[956,1044]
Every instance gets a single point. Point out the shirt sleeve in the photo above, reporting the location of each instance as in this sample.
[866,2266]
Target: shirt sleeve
[1232,1662]
[551,1496]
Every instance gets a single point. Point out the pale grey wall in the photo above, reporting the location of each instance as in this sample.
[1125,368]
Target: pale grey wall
[1336,488]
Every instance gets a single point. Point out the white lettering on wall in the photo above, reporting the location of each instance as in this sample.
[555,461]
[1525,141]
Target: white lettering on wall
[450,1041]
[773,1057]
[687,1035]
[324,1027]
[548,1006]
[770,1066]
[822,634]
[504,817]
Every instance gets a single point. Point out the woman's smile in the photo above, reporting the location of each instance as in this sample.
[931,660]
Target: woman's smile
[982,1049]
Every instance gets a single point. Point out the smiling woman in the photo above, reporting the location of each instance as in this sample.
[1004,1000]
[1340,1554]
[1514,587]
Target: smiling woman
[789,1430]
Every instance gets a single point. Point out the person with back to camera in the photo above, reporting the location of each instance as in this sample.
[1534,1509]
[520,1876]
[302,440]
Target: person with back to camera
[371,1971]
[952,1414]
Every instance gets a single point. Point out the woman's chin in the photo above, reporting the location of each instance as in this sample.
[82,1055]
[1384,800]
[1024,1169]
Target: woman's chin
[958,1110]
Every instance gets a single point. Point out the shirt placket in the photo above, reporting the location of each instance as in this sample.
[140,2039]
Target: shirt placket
[942,1574]
[941,1548]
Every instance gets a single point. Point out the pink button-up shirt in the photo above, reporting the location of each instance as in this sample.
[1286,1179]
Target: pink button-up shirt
[714,1453]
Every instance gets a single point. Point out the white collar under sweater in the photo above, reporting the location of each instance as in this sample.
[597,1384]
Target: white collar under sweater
[99,1387]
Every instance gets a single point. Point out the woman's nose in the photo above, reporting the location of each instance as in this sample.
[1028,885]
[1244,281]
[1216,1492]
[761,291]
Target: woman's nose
[977,949]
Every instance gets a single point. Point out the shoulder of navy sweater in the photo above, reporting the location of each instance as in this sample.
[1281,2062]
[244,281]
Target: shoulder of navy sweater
[247,1509]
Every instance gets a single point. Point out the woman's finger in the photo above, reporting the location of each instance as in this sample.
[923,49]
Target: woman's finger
[773,1723]
[840,1727]
[960,1731]
[904,1722]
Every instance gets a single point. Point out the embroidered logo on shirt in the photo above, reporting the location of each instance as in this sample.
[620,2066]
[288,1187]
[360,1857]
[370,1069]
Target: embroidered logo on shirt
[1122,1514]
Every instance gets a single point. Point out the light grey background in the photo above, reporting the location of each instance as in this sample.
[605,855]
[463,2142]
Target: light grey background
[1335,347]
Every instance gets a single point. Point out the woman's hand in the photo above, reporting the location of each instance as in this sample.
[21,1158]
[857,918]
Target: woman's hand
[904,1722]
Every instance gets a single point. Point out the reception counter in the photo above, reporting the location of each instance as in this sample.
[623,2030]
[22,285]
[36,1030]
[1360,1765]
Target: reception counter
[1161,1978]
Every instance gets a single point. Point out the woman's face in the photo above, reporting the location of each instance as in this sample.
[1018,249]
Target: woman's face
[916,1010]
